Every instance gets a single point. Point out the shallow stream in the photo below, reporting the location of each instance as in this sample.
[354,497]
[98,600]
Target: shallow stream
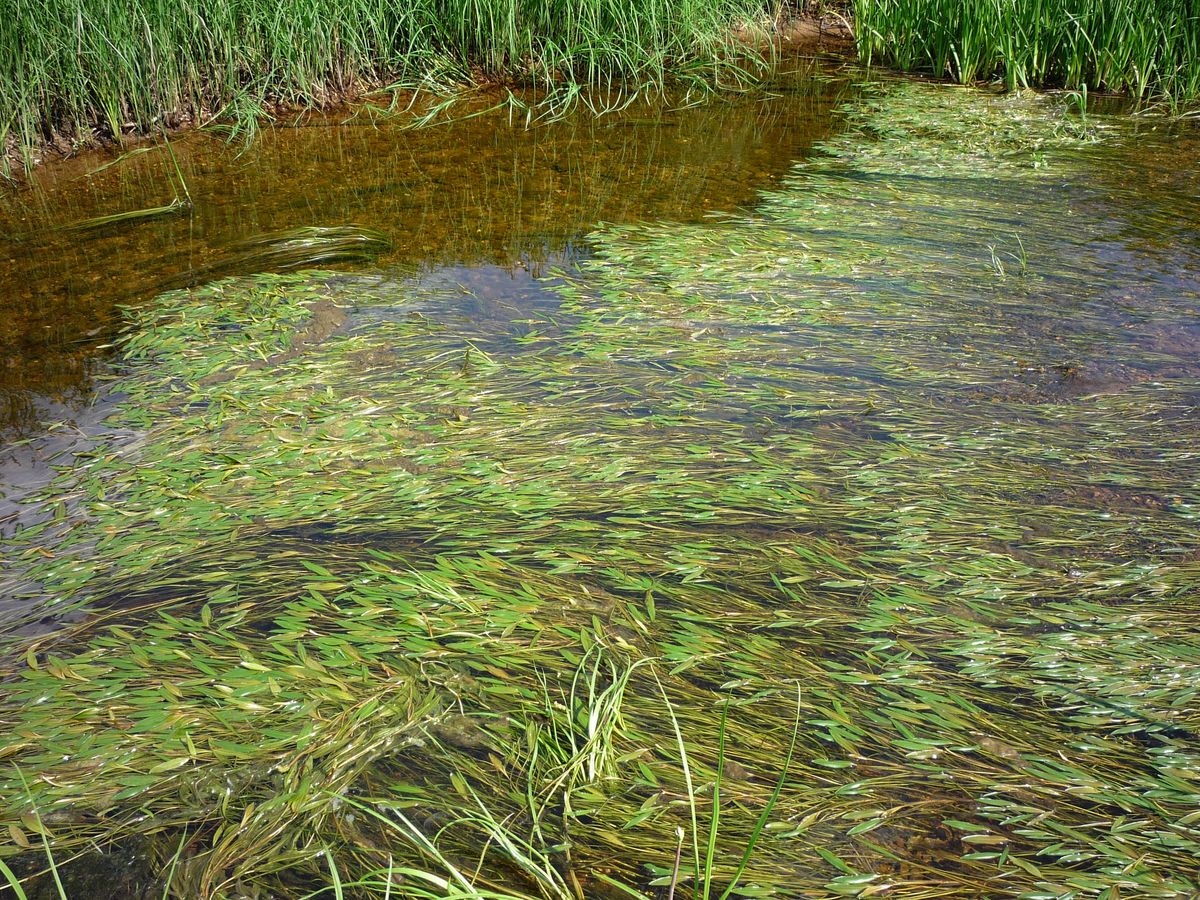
[811,474]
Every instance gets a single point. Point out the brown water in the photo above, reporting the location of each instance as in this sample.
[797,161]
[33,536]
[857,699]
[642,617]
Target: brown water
[490,191]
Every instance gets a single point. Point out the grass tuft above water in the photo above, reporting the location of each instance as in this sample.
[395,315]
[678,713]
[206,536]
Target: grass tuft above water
[802,552]
[1148,48]
[107,67]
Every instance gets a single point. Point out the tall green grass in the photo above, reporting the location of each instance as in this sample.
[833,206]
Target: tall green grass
[1149,48]
[71,68]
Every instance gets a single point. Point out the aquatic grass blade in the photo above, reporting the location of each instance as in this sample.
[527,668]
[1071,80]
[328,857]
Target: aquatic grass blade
[687,779]
[714,824]
[765,815]
[174,208]
[334,874]
[13,881]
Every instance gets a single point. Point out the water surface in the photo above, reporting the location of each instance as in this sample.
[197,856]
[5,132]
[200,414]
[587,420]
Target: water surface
[880,486]
[489,190]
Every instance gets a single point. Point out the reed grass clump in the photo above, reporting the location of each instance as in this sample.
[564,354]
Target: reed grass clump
[1149,48]
[71,69]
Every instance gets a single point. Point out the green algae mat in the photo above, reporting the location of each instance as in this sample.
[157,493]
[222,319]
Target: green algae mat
[845,547]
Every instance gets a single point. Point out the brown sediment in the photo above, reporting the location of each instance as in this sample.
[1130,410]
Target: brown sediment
[828,32]
[326,318]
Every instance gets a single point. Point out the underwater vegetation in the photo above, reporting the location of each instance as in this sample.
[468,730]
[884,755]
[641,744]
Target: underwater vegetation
[484,189]
[1149,48]
[294,248]
[840,547]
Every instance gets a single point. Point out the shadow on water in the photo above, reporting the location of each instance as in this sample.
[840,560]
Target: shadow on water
[482,191]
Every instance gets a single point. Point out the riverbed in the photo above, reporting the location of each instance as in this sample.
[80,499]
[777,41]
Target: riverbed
[789,495]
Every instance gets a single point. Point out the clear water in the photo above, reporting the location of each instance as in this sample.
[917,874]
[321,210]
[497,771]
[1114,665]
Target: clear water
[899,441]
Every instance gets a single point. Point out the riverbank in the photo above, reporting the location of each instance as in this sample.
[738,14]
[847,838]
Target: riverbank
[1146,49]
[114,77]
[120,78]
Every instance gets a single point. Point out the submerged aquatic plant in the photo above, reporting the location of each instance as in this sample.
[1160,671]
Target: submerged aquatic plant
[182,201]
[798,531]
[296,248]
[175,207]
[292,248]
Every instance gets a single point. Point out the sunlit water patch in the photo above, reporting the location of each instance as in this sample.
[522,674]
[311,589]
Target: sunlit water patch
[851,538]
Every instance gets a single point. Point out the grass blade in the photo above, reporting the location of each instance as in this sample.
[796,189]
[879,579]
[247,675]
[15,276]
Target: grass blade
[761,823]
